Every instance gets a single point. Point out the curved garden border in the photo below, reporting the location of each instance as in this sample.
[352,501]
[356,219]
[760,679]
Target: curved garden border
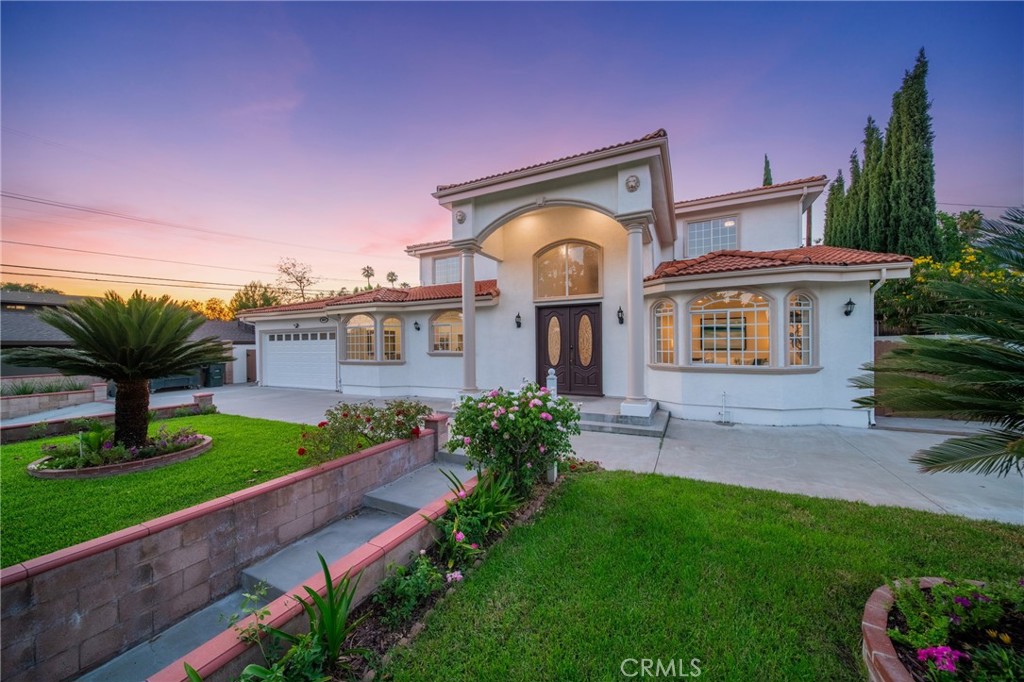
[122,468]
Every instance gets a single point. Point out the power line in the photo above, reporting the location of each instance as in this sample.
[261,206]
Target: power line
[177,226]
[35,275]
[114,274]
[950,203]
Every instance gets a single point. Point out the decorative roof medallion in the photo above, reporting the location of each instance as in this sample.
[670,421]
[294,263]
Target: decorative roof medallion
[632,183]
[460,216]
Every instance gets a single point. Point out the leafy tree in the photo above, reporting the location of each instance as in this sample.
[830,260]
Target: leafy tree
[392,278]
[368,273]
[834,210]
[29,287]
[295,279]
[405,285]
[255,294]
[974,373]
[872,215]
[217,309]
[767,178]
[129,342]
[195,306]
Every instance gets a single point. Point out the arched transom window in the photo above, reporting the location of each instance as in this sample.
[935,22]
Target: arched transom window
[359,338]
[730,328]
[800,334]
[664,333]
[568,269]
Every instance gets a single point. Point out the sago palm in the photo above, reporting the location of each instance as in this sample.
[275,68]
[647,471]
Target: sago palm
[128,342]
[975,374]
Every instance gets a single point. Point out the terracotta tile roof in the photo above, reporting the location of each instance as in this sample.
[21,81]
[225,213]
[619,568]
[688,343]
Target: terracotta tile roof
[659,133]
[433,292]
[734,261]
[789,183]
[427,245]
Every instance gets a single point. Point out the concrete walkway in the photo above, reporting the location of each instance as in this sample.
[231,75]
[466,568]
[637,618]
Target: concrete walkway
[869,465]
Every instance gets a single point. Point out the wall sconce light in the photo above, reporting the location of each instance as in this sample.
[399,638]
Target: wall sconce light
[621,316]
[519,320]
[324,320]
[296,325]
[848,307]
[416,326]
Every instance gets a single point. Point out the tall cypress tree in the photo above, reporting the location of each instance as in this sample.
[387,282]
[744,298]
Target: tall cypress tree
[834,210]
[918,233]
[767,179]
[875,218]
[854,205]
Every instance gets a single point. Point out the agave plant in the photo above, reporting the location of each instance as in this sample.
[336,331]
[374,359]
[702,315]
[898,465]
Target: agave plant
[129,342]
[975,373]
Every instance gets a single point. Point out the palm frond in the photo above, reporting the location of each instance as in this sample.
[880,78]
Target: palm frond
[998,452]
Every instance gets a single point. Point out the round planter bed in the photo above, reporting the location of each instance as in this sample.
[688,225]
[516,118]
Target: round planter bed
[124,467]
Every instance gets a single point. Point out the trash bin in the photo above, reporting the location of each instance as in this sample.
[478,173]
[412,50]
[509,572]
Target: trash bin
[215,375]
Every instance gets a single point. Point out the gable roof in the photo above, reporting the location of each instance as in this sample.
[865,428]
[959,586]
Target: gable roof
[735,260]
[433,292]
[659,133]
[24,328]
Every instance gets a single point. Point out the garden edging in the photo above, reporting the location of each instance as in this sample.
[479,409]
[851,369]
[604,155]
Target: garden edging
[121,467]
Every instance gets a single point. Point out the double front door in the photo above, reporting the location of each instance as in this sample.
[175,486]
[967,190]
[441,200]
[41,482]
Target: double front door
[569,341]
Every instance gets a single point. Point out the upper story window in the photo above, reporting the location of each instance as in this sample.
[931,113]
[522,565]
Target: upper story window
[664,333]
[800,332]
[730,328]
[360,341]
[446,270]
[715,234]
[568,269]
[392,336]
[446,332]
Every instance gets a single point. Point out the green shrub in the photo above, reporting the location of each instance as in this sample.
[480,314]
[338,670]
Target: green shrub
[33,386]
[95,447]
[407,587]
[349,427]
[472,517]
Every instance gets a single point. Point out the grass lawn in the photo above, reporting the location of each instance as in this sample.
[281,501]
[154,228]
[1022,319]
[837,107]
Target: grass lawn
[41,516]
[757,585]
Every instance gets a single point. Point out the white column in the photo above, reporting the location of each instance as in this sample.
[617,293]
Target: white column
[636,403]
[468,323]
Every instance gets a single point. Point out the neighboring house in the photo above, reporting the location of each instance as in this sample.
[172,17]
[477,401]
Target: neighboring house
[714,308]
[20,327]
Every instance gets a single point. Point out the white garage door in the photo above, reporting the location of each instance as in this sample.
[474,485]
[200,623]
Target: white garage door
[300,360]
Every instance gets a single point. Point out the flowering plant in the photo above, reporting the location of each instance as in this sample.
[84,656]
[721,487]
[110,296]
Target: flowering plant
[520,433]
[96,447]
[348,427]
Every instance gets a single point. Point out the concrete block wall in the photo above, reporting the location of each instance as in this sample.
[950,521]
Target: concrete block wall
[66,612]
[13,406]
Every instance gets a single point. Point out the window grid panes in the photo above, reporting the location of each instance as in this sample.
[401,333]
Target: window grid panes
[801,330]
[730,328]
[571,269]
[447,333]
[392,329]
[664,333]
[710,235]
[359,338]
[446,270]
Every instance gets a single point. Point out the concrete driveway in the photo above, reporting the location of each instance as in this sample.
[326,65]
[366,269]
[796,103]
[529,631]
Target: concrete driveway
[868,465]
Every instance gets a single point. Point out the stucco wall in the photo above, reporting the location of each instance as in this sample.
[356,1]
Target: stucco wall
[762,227]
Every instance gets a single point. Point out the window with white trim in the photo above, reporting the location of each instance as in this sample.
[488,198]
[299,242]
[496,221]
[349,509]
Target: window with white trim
[800,332]
[446,332]
[568,269]
[715,234]
[392,336]
[360,340]
[730,328]
[664,333]
[447,270]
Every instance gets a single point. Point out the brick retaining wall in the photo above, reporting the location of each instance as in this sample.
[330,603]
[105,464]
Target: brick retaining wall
[66,612]
[14,406]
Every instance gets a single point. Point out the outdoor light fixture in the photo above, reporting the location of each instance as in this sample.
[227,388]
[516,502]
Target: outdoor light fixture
[519,320]
[416,326]
[622,318]
[324,320]
[848,307]
[296,325]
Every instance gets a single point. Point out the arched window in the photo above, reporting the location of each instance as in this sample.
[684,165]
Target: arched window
[730,328]
[392,330]
[800,333]
[664,333]
[360,343]
[568,269]
[446,332]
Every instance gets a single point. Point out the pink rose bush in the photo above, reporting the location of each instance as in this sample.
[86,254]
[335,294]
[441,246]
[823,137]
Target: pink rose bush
[347,428]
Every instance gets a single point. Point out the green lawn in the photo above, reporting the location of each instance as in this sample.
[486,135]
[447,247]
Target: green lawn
[757,585]
[41,516]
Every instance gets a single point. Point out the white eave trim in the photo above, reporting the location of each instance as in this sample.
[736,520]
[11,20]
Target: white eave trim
[780,275]
[696,206]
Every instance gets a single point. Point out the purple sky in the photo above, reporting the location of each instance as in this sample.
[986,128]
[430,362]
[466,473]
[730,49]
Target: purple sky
[318,130]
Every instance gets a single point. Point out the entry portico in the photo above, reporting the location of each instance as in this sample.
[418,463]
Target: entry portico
[568,202]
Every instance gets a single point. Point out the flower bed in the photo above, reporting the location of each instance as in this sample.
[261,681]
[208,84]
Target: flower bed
[39,470]
[95,453]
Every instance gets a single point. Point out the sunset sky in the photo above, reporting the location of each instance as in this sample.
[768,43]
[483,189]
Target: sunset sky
[225,136]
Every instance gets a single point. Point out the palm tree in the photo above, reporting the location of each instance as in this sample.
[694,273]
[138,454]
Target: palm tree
[976,374]
[367,273]
[128,342]
[392,278]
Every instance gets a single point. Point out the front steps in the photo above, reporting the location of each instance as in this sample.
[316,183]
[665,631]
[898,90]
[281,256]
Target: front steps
[653,426]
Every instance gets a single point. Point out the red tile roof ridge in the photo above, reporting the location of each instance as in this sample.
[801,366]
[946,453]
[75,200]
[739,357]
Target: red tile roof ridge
[787,183]
[430,292]
[659,133]
[733,260]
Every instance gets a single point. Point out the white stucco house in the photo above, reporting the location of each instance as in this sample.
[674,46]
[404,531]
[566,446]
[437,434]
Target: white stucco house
[587,265]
